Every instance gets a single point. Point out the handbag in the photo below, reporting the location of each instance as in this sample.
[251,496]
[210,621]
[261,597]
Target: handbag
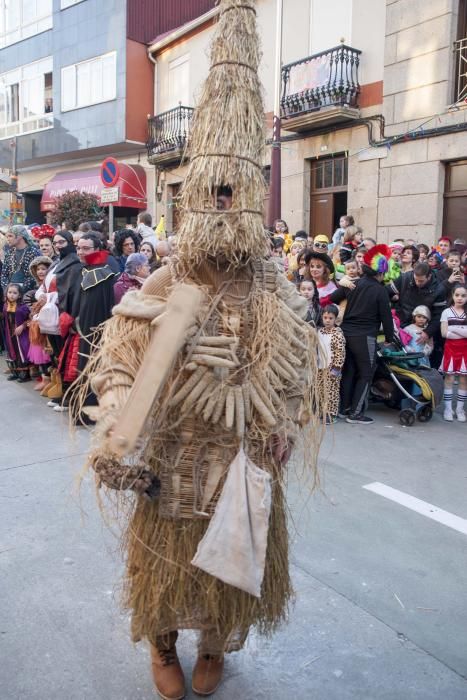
[233,548]
[48,319]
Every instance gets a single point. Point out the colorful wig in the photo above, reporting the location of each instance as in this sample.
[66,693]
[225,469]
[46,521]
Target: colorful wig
[377,258]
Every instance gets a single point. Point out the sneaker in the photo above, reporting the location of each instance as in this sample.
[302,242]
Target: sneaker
[460,415]
[330,420]
[448,415]
[360,419]
[60,409]
[53,403]
[343,414]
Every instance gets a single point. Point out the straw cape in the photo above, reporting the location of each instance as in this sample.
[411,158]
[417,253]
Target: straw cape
[245,376]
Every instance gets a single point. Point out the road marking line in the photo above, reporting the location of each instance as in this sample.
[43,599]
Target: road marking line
[422,507]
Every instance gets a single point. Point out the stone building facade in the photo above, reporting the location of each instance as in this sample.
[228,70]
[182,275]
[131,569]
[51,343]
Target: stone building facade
[389,152]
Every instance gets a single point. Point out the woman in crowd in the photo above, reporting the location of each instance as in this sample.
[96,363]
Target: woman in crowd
[125,243]
[136,271]
[148,250]
[423,251]
[409,256]
[320,269]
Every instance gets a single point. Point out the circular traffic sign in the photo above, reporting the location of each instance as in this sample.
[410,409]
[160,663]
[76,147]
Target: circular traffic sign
[110,172]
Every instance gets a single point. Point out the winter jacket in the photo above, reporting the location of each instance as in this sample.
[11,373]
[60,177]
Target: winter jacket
[367,308]
[432,295]
[123,285]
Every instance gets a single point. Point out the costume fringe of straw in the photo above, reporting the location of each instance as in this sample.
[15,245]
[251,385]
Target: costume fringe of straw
[162,589]
[225,147]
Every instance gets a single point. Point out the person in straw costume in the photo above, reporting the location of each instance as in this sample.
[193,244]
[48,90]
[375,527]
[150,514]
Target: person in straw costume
[239,393]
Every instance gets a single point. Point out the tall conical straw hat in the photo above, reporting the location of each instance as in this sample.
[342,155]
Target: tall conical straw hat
[225,147]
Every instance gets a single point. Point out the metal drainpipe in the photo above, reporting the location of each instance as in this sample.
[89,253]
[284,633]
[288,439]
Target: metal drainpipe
[156,172]
[274,209]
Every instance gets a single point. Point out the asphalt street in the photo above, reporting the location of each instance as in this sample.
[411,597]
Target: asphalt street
[381,588]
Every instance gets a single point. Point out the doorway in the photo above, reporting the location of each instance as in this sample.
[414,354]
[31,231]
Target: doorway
[455,200]
[328,196]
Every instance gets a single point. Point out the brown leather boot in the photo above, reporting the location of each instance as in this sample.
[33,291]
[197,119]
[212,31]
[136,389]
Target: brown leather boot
[207,674]
[167,673]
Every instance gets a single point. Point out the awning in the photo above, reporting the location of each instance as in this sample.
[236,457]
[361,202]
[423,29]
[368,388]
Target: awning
[131,184]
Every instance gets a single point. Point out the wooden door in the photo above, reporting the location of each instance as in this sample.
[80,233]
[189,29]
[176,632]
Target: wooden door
[328,181]
[322,214]
[455,200]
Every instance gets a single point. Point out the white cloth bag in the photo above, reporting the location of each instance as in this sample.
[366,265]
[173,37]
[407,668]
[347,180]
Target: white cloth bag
[233,548]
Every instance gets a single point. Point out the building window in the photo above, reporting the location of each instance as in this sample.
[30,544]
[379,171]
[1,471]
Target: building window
[179,82]
[329,173]
[20,19]
[89,82]
[68,3]
[26,101]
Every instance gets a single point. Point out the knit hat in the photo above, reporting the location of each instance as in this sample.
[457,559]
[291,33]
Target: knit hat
[376,260]
[422,311]
[396,244]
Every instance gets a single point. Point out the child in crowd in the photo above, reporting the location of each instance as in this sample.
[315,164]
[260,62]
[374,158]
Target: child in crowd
[292,266]
[39,348]
[329,375]
[352,269]
[278,253]
[358,256]
[352,241]
[308,289]
[454,362]
[15,317]
[394,262]
[421,317]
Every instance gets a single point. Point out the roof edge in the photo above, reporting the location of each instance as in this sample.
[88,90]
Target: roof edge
[167,39]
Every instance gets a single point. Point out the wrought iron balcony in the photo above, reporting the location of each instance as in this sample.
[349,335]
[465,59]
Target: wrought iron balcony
[460,48]
[167,135]
[321,89]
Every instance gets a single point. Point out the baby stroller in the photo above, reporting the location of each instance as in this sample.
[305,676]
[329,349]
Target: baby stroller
[401,382]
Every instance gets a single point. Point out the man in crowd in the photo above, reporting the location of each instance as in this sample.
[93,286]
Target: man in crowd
[21,252]
[419,287]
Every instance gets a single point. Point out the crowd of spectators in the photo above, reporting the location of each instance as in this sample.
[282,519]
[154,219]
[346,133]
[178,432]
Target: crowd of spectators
[406,296]
[58,286]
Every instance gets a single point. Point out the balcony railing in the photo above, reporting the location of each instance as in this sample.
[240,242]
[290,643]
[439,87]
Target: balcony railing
[460,48]
[168,133]
[326,79]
